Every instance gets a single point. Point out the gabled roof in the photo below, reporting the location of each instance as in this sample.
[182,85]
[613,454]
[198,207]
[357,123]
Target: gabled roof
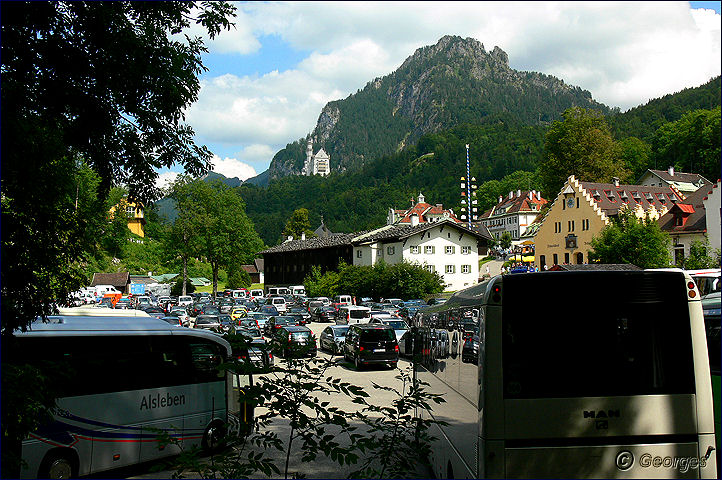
[118,279]
[164,277]
[517,204]
[333,240]
[693,208]
[680,177]
[424,210]
[399,231]
[610,197]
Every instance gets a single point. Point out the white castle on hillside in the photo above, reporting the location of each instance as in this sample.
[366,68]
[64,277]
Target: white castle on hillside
[319,164]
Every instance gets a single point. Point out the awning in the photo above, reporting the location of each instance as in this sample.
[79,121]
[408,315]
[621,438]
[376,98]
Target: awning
[527,242]
[528,259]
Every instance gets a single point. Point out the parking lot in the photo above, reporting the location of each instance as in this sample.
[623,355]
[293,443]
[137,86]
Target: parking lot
[322,467]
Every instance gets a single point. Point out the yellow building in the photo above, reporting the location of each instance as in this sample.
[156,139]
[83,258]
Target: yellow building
[136,219]
[582,209]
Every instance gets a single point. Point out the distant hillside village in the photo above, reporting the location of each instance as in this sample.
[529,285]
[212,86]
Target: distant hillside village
[685,205]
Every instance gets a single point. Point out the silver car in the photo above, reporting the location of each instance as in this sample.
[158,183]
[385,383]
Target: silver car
[332,339]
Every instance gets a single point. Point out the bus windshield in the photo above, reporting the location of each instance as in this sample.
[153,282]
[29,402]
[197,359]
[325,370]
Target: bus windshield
[583,347]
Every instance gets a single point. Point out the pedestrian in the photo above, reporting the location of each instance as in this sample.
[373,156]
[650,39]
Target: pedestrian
[487,269]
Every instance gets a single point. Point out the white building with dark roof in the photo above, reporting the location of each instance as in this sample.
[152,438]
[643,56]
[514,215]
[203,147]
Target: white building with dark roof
[682,182]
[513,213]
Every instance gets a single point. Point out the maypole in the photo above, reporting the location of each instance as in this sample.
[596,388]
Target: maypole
[468,194]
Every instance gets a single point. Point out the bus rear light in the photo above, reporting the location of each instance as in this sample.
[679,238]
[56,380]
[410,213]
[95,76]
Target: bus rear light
[690,285]
[692,294]
[396,348]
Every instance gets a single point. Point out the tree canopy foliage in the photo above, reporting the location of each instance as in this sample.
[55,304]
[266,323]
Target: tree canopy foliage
[102,84]
[580,145]
[629,239]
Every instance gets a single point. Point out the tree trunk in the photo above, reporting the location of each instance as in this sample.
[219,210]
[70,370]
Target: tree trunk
[185,273]
[214,267]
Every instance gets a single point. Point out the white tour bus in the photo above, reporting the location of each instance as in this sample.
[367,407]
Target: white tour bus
[594,374]
[120,381]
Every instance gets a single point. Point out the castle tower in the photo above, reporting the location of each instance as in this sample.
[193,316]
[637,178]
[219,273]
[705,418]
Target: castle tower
[308,166]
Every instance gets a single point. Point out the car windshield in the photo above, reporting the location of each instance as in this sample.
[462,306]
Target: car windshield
[397,324]
[283,320]
[340,332]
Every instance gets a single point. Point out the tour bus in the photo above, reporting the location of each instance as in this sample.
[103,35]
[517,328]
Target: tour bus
[603,374]
[120,382]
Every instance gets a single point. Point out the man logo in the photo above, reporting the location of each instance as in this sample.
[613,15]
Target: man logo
[625,460]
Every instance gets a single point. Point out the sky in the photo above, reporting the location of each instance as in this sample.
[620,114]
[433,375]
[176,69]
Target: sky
[269,77]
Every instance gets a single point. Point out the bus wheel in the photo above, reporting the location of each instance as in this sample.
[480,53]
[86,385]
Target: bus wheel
[212,437]
[58,465]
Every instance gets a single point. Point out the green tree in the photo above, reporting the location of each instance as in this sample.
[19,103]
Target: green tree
[179,289]
[106,83]
[505,240]
[691,144]
[580,145]
[238,277]
[182,240]
[298,224]
[636,155]
[224,234]
[628,239]
[699,256]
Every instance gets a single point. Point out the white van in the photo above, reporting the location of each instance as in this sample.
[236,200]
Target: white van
[343,299]
[185,300]
[298,290]
[101,290]
[278,302]
[276,291]
[256,293]
[350,314]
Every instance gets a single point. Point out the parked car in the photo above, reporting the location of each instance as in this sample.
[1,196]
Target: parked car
[239,312]
[332,339]
[269,309]
[349,314]
[210,309]
[255,352]
[298,310]
[470,351]
[185,300]
[173,320]
[294,341]
[274,323]
[181,313]
[208,322]
[225,305]
[278,302]
[367,344]
[400,326]
[324,314]
[260,318]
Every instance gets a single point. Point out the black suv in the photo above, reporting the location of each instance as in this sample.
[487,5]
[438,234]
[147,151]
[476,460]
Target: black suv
[294,341]
[371,343]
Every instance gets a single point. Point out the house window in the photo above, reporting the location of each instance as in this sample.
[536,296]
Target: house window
[429,249]
[678,222]
[130,211]
[571,225]
[450,269]
[465,250]
[390,250]
[429,268]
[414,249]
[556,259]
[585,224]
[466,269]
[566,258]
[359,253]
[580,258]
[450,250]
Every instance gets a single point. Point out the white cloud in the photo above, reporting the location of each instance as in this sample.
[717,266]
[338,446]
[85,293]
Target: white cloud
[165,179]
[624,53]
[231,167]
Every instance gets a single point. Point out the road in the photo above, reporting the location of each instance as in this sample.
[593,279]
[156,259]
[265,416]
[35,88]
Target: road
[322,467]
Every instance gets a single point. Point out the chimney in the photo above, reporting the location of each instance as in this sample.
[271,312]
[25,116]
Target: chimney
[414,219]
[511,195]
[290,238]
[439,205]
[518,193]
[303,235]
[670,170]
[500,199]
[615,180]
